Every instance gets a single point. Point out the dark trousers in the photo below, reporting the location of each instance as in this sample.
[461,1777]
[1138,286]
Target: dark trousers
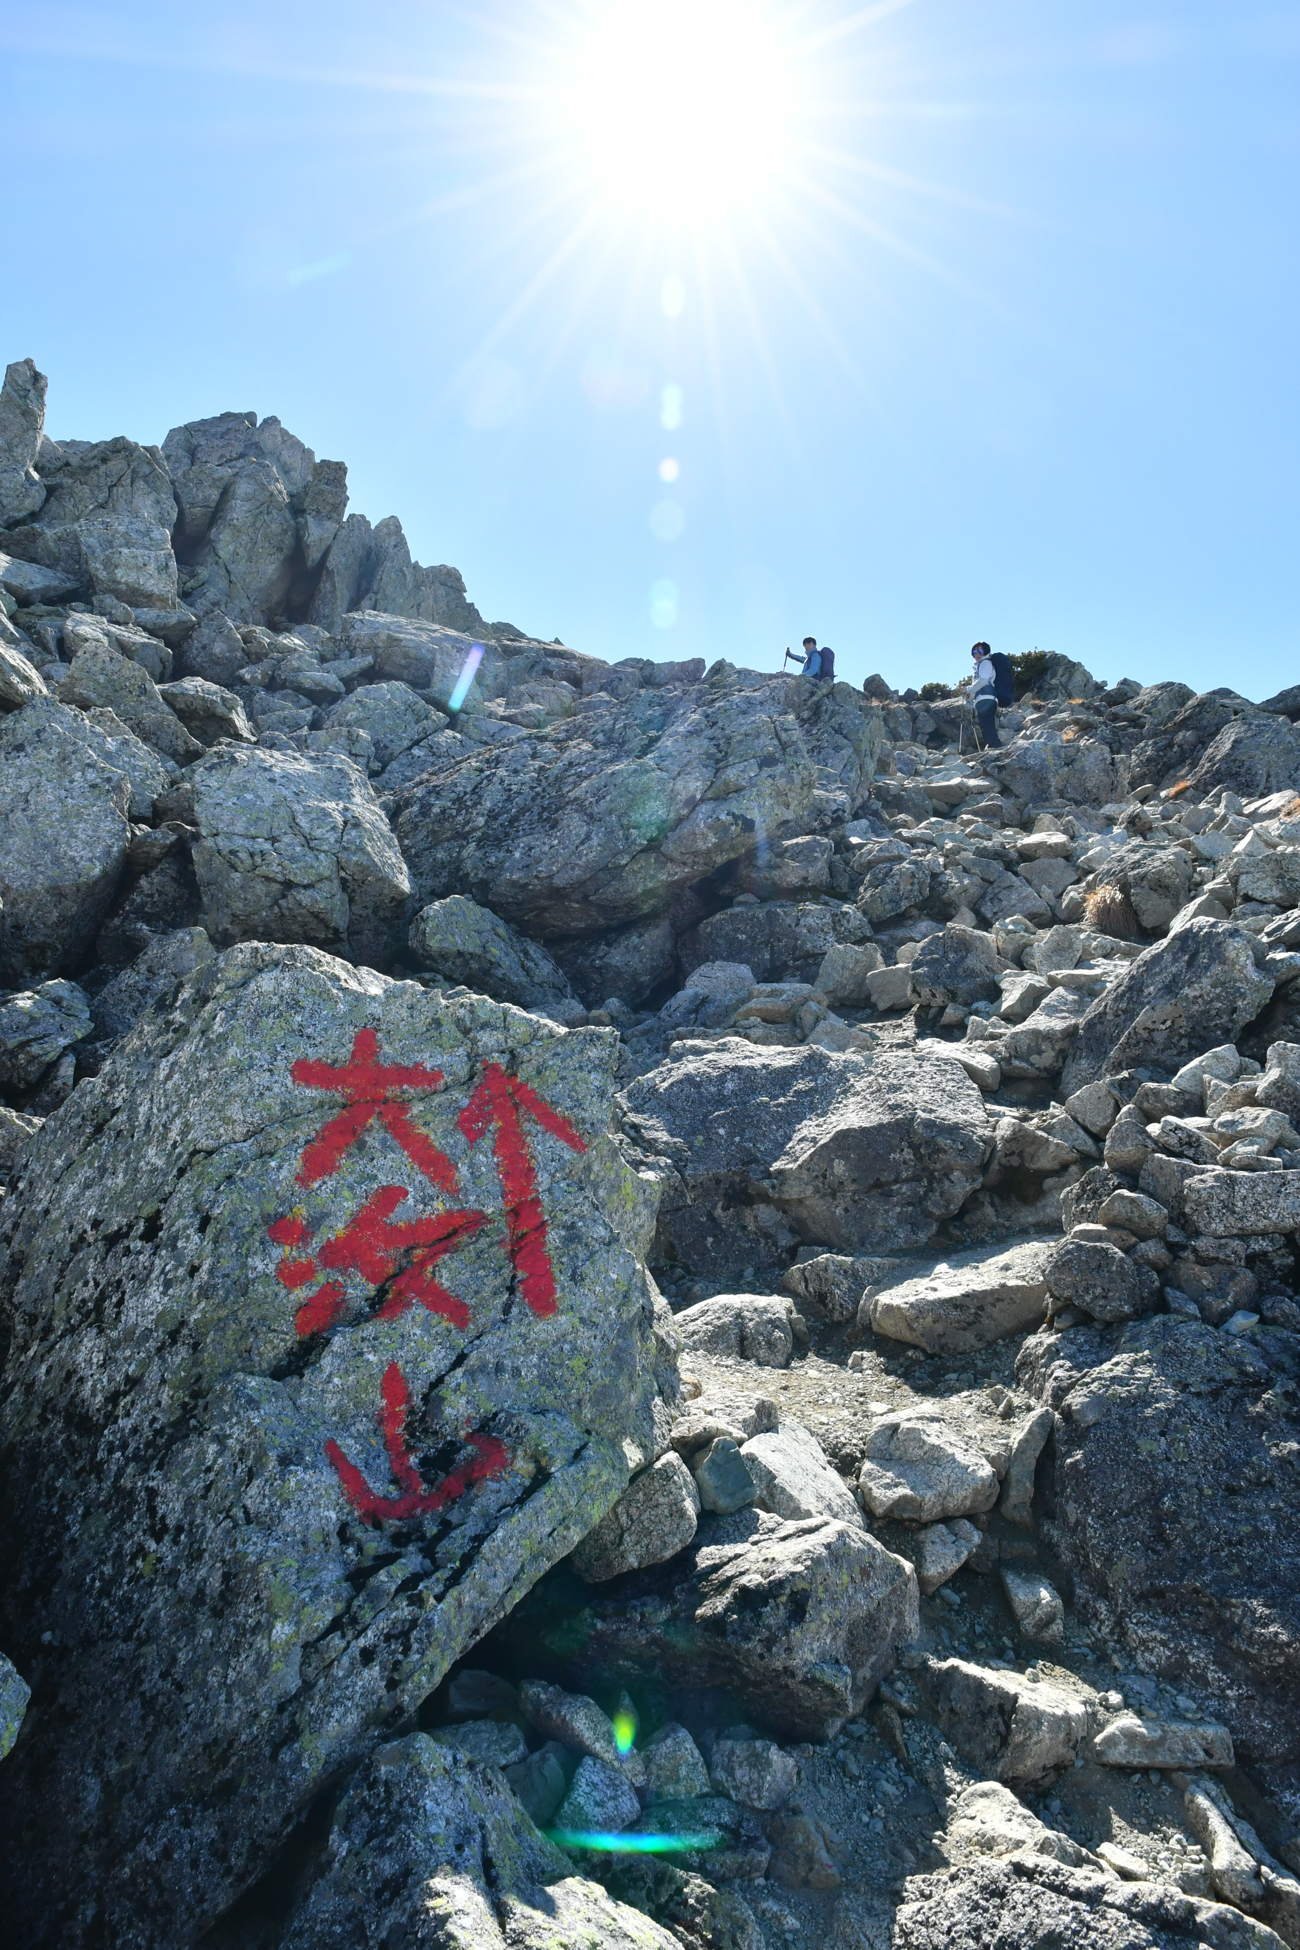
[986,713]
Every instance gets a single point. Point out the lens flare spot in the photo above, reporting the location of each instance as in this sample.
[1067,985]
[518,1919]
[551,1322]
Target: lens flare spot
[624,1732]
[667,520]
[669,469]
[672,296]
[663,605]
[670,408]
[625,1844]
[466,678]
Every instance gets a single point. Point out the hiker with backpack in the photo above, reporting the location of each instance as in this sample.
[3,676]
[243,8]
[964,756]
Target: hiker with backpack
[993,683]
[816,663]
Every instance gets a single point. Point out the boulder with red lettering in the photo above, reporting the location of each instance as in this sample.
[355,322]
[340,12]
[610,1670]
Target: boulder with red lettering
[330,1333]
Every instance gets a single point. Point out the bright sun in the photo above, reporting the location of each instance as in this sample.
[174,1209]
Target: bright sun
[682,106]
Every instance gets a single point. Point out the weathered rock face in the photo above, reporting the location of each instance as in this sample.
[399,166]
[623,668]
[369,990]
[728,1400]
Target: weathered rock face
[1036,771]
[431,1848]
[602,818]
[1177,741]
[295,849]
[860,1153]
[1197,1566]
[329,1336]
[257,511]
[1030,1899]
[105,523]
[801,1619]
[1008,1727]
[63,837]
[1195,989]
[1252,756]
[470,944]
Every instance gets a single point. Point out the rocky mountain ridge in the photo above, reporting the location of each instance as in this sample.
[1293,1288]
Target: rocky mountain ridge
[642,1305]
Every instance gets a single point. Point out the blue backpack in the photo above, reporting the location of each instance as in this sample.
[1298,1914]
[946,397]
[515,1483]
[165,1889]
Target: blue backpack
[827,671]
[1004,677]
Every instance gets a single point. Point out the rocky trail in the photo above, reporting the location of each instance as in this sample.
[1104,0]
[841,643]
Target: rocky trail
[641,1305]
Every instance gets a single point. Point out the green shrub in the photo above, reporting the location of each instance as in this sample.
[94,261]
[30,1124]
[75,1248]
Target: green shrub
[930,691]
[1029,667]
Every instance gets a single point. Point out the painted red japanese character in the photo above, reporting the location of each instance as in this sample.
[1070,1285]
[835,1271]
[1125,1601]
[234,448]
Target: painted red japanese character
[368,1088]
[490,1458]
[501,1101]
[371,1247]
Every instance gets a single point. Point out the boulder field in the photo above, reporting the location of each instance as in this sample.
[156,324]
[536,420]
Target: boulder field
[641,1304]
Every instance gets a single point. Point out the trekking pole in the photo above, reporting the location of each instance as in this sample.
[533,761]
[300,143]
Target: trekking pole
[785,659]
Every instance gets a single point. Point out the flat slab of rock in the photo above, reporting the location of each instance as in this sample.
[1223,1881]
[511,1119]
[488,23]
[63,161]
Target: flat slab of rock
[794,1479]
[1130,1741]
[967,1302]
[1216,1202]
[863,1153]
[350,1314]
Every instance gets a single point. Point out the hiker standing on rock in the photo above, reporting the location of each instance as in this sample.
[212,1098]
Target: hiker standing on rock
[990,686]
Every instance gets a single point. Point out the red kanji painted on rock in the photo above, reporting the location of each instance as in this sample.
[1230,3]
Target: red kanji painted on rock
[371,1247]
[502,1101]
[368,1087]
[490,1458]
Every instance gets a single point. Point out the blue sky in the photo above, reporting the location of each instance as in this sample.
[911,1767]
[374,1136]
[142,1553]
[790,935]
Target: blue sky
[995,336]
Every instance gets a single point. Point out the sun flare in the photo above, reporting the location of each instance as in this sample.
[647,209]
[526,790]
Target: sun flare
[682,108]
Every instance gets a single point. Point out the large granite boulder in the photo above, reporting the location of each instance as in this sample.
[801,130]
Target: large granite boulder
[1178,740]
[1197,1566]
[295,848]
[1042,771]
[965,1302]
[329,1336]
[102,679]
[801,1619]
[63,836]
[467,943]
[393,716]
[431,1848]
[1252,756]
[861,1153]
[601,819]
[1189,993]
